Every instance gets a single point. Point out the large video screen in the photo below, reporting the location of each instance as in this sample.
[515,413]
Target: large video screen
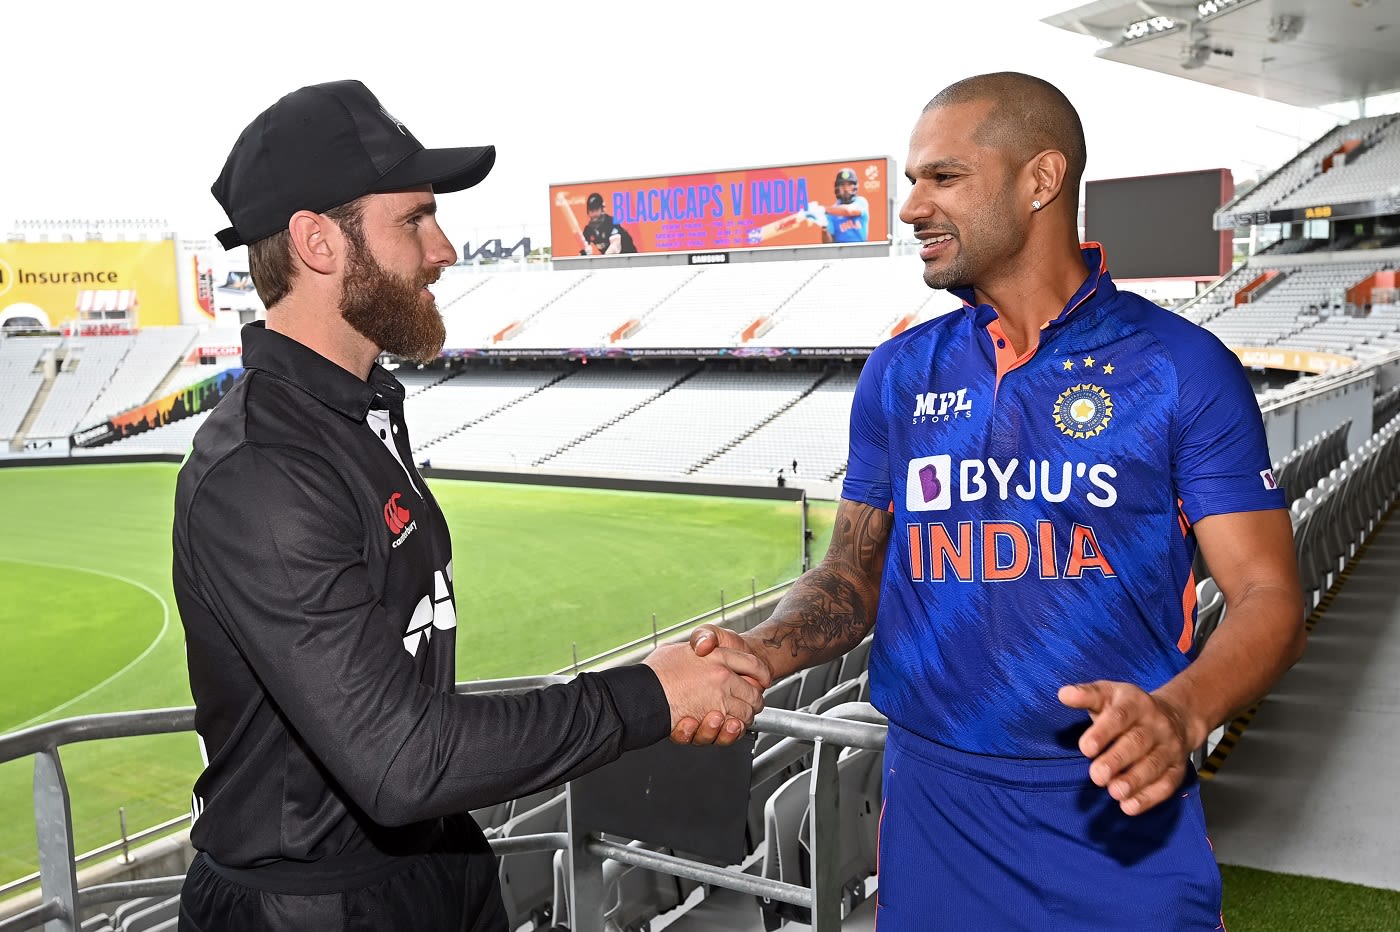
[1160,226]
[819,203]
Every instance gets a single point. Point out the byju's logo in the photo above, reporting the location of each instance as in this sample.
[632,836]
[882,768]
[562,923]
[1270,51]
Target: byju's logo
[929,486]
[941,406]
[395,515]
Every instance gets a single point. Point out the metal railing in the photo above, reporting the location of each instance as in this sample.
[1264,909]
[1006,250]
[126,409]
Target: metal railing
[719,614]
[62,899]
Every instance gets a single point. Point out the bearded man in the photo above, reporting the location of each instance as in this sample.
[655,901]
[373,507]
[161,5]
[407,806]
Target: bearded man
[314,574]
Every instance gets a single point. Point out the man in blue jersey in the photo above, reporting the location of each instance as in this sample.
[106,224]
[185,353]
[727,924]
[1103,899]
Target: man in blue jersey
[1029,480]
[848,220]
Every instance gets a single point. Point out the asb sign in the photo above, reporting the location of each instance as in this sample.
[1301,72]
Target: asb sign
[815,204]
[57,276]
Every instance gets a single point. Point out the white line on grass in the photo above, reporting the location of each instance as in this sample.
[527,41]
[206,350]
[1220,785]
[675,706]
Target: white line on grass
[164,626]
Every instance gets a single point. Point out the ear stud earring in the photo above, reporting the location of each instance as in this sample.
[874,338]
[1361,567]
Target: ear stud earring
[1035,205]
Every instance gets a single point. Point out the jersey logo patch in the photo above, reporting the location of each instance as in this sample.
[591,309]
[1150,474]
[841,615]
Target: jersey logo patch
[1270,482]
[929,486]
[395,515]
[1083,410]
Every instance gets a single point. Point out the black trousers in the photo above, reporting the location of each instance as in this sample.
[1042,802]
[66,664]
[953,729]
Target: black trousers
[440,892]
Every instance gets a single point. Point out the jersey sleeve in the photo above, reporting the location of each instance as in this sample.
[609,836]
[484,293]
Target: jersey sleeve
[1220,457]
[310,627]
[868,468]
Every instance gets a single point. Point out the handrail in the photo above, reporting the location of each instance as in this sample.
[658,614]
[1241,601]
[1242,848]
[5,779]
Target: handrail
[655,637]
[846,725]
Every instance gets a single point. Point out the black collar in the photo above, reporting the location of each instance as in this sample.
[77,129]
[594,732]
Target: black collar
[333,386]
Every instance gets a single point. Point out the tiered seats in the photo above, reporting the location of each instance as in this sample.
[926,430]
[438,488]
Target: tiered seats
[1310,289]
[501,299]
[1337,515]
[1220,297]
[89,367]
[154,352]
[525,433]
[814,432]
[1386,406]
[20,378]
[1340,334]
[1255,325]
[856,302]
[1303,167]
[716,305]
[1372,171]
[446,405]
[602,303]
[681,427]
[1306,466]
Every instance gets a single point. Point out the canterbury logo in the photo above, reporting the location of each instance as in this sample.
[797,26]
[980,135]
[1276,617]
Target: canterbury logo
[395,515]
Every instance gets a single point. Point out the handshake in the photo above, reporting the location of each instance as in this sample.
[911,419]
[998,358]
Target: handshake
[714,684]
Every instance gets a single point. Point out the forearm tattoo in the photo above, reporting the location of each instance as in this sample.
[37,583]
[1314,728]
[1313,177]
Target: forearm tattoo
[832,607]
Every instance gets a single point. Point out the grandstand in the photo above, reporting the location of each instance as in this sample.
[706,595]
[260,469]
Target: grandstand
[726,375]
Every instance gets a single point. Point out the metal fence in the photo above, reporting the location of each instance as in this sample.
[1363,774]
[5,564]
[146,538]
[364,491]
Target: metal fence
[62,899]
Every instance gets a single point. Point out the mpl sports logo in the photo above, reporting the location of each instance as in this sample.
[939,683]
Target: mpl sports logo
[398,519]
[930,481]
[938,407]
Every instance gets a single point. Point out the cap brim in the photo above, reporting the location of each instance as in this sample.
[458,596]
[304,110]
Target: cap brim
[447,170]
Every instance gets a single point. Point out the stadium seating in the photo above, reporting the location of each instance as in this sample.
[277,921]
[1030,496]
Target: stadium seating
[437,406]
[540,424]
[602,304]
[814,432]
[1299,174]
[856,303]
[155,351]
[1306,466]
[1370,171]
[88,367]
[486,308]
[716,305]
[1335,517]
[677,430]
[21,376]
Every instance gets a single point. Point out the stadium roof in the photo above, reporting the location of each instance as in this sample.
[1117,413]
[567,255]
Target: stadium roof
[1303,52]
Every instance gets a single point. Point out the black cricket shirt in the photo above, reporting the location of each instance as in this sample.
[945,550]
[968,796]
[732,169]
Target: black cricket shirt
[313,572]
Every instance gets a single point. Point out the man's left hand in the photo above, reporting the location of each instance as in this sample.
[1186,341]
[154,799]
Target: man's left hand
[1138,742]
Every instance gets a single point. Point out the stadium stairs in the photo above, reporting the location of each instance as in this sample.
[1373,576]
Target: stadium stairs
[575,441]
[756,427]
[32,414]
[489,414]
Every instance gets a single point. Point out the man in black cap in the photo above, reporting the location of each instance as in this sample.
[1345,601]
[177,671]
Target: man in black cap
[607,237]
[314,573]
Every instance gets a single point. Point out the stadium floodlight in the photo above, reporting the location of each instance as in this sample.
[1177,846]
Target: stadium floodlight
[1209,8]
[1144,28]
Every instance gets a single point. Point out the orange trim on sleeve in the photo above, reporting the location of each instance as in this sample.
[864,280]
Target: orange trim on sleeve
[1188,597]
[1188,614]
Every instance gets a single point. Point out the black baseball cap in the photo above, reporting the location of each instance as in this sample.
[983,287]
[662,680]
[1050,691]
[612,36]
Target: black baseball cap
[326,145]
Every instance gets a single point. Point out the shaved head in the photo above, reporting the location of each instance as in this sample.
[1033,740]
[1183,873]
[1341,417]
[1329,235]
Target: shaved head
[1028,115]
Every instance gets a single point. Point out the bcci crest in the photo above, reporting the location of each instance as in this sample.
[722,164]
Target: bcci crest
[1083,411]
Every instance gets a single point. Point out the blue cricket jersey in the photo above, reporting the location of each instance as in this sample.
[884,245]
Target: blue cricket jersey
[1043,508]
[850,229]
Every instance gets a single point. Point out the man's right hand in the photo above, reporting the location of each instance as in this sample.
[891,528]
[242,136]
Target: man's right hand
[726,685]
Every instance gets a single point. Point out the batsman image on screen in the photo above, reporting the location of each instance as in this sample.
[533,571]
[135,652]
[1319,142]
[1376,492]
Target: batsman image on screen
[780,206]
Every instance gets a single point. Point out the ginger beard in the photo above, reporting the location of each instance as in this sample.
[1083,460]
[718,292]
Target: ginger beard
[391,311]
